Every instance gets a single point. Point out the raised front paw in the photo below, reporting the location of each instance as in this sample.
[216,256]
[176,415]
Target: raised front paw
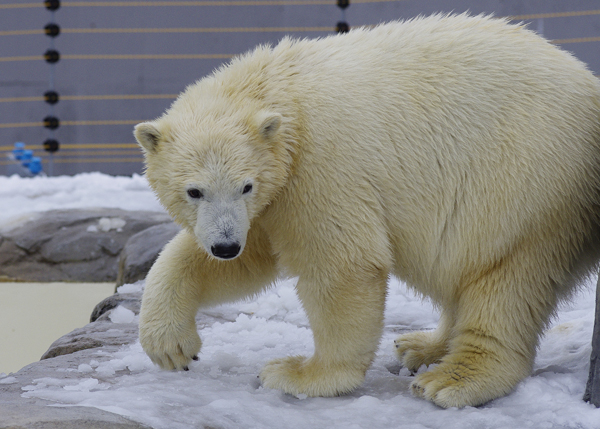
[169,346]
[419,348]
[298,375]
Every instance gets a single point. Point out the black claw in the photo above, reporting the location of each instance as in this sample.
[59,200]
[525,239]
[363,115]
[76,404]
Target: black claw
[185,368]
[195,358]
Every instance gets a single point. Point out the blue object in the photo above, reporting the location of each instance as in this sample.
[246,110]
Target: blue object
[26,157]
[35,166]
[18,150]
[26,164]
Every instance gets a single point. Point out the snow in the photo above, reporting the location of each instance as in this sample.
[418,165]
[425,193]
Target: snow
[19,196]
[121,315]
[106,224]
[222,389]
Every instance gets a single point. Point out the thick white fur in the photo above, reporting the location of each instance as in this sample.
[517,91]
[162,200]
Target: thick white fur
[461,154]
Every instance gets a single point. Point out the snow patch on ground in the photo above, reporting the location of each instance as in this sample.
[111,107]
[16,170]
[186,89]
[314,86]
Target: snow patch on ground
[222,389]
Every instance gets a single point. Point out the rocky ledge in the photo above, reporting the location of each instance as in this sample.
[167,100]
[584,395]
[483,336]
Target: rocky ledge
[102,245]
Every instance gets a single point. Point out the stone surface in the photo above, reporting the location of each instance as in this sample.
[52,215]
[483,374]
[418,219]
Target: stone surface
[592,390]
[70,245]
[141,250]
[91,336]
[131,301]
[100,332]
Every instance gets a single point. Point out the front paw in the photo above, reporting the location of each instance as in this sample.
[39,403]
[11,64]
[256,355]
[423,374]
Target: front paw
[170,346]
[297,375]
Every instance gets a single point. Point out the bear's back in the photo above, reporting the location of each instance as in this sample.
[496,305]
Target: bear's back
[472,132]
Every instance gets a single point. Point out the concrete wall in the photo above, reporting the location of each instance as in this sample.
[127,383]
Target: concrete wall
[124,62]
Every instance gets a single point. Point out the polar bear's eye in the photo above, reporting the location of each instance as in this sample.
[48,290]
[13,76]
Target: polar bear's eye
[194,193]
[247,189]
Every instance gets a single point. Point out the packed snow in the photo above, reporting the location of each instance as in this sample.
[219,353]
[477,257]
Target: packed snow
[222,390]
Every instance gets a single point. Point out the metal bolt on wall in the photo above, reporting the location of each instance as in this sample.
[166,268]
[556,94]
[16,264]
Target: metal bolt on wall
[52,56]
[342,26]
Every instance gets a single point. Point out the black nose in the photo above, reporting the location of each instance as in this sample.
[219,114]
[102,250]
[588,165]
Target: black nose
[225,250]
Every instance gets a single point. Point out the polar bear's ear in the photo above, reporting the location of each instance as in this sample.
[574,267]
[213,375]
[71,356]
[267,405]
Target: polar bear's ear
[147,135]
[269,123]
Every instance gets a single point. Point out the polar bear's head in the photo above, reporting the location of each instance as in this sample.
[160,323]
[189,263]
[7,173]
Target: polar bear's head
[214,172]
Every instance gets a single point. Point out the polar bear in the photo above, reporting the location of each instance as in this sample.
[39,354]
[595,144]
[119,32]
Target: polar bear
[460,154]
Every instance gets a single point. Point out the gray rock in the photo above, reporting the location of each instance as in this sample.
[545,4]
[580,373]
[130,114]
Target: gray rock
[101,269]
[141,251]
[130,301]
[91,336]
[100,331]
[592,390]
[70,245]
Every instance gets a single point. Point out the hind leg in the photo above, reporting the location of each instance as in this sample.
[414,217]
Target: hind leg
[423,347]
[499,318]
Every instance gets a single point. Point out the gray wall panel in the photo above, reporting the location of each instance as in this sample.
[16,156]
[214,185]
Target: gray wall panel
[93,141]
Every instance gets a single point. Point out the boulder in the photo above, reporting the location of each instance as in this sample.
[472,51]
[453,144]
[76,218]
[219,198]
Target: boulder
[70,245]
[131,301]
[100,332]
[141,250]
